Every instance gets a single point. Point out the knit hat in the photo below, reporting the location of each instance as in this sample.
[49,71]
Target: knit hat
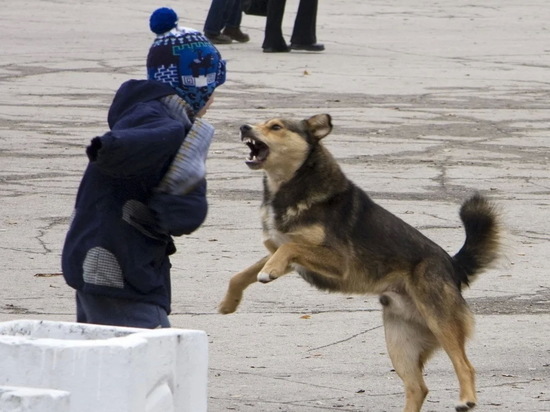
[184,58]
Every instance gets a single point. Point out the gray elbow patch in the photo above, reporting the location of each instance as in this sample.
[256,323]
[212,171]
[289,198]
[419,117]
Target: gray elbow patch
[101,268]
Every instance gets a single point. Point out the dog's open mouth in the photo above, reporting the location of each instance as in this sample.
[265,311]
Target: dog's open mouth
[258,152]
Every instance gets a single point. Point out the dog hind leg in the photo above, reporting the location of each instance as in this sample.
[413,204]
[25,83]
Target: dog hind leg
[449,319]
[454,346]
[410,344]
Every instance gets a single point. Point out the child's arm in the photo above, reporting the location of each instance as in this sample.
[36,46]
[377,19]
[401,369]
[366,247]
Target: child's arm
[178,215]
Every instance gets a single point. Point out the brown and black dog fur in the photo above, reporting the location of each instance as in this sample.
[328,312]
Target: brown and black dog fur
[320,224]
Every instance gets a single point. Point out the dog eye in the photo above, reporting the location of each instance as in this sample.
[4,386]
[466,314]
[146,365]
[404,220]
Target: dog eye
[276,127]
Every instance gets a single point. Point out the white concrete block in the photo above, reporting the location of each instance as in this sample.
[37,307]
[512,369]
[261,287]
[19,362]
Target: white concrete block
[108,368]
[18,399]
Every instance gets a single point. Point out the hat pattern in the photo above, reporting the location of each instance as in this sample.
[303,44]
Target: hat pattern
[187,61]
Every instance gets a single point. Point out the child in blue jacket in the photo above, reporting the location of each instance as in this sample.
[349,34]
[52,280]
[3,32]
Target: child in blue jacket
[145,182]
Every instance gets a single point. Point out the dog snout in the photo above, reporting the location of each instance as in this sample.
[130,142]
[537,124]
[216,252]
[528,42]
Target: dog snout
[246,128]
[246,131]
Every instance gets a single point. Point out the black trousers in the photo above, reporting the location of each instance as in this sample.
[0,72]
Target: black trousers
[304,25]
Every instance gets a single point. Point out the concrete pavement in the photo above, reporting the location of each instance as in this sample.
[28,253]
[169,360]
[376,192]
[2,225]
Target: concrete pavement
[430,101]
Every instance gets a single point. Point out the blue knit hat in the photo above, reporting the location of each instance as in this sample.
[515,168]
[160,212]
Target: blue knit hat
[184,58]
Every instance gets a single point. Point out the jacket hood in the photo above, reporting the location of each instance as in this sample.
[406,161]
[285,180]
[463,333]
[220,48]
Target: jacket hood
[134,92]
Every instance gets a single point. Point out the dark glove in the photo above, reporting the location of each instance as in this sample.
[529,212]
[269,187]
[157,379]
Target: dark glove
[93,149]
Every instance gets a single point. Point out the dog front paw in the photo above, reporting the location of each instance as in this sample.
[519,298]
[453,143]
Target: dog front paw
[265,277]
[227,306]
[230,303]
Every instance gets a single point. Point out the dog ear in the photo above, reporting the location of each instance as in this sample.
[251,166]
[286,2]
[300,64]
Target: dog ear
[319,125]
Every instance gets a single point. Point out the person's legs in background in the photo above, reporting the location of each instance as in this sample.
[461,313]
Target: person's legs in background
[215,22]
[234,14]
[273,39]
[304,32]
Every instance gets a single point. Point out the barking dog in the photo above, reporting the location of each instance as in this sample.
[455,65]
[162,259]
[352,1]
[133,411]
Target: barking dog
[318,223]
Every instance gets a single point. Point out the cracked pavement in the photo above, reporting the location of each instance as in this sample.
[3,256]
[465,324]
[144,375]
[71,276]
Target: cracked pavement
[430,102]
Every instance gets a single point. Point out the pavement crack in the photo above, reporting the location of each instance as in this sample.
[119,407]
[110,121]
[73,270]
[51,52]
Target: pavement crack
[346,339]
[284,378]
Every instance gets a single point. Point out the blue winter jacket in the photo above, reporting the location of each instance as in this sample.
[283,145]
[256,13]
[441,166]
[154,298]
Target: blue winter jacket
[121,232]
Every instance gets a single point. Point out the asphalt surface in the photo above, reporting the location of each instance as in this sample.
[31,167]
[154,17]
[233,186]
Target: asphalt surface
[430,101]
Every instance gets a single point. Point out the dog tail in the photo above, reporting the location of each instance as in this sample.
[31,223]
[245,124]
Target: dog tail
[482,245]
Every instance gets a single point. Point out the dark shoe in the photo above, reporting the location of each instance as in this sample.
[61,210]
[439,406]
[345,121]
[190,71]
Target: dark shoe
[317,47]
[236,34]
[276,49]
[218,38]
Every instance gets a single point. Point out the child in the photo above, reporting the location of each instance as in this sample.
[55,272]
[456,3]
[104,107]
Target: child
[145,182]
